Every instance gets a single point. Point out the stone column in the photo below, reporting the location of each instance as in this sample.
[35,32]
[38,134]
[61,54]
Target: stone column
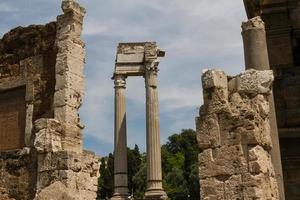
[120,151]
[155,190]
[256,57]
[255,44]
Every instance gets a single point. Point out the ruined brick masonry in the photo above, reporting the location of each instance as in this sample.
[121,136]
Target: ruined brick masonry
[233,133]
[41,90]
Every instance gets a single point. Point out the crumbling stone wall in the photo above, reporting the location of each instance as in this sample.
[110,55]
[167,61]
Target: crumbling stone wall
[44,63]
[77,172]
[27,60]
[233,134]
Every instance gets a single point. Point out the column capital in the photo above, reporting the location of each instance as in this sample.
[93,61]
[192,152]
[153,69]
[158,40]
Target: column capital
[152,66]
[119,81]
[151,74]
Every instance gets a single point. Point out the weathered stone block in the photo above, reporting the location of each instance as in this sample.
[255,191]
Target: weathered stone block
[66,62]
[214,78]
[253,82]
[212,189]
[233,188]
[209,132]
[47,141]
[130,58]
[71,81]
[260,161]
[68,97]
[223,161]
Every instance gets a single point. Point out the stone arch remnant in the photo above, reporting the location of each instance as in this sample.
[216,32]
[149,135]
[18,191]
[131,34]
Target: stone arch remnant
[137,59]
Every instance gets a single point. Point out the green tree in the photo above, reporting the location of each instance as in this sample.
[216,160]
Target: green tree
[140,181]
[105,182]
[175,185]
[181,152]
[134,165]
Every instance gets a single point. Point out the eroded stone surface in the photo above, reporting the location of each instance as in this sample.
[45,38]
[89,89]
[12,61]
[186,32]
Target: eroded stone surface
[233,133]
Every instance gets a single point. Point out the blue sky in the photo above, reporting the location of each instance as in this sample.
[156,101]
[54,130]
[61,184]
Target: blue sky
[196,34]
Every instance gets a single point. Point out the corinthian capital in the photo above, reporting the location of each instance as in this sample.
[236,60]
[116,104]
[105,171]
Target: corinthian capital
[120,81]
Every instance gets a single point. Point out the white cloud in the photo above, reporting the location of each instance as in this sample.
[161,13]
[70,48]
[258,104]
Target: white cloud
[94,28]
[4,7]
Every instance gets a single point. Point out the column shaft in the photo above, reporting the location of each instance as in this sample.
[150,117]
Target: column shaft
[256,57]
[154,173]
[120,148]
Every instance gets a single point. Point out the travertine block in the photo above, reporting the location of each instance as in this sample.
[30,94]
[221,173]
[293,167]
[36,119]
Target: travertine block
[214,78]
[260,161]
[223,161]
[211,189]
[254,82]
[70,80]
[48,135]
[67,115]
[130,58]
[209,133]
[67,62]
[233,188]
[68,97]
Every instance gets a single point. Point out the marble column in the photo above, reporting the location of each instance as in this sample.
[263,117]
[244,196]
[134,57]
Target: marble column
[256,57]
[120,148]
[155,190]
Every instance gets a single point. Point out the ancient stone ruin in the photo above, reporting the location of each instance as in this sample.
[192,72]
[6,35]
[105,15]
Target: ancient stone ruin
[137,59]
[241,153]
[247,131]
[41,89]
[225,123]
[235,137]
[282,22]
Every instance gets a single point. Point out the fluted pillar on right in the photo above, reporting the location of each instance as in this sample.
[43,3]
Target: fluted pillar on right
[155,190]
[256,57]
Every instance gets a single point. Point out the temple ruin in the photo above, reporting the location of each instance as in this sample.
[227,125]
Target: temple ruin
[137,59]
[41,90]
[247,129]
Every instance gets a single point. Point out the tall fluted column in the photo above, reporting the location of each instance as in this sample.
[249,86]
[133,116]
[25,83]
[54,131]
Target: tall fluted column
[256,57]
[120,149]
[155,190]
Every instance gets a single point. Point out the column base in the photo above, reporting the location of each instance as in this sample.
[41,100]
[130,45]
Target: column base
[156,195]
[119,197]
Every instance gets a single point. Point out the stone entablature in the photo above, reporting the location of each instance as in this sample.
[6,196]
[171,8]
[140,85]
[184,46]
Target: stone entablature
[233,133]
